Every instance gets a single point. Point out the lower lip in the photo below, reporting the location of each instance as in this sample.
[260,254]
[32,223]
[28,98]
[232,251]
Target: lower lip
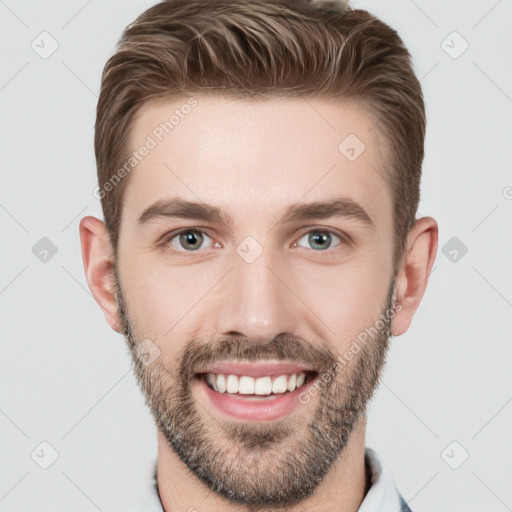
[254,410]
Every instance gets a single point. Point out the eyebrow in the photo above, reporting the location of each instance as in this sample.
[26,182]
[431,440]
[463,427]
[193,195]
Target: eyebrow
[181,208]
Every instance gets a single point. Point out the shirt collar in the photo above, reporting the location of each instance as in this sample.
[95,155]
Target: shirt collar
[382,496]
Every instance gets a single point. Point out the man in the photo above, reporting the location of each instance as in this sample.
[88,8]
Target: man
[259,167]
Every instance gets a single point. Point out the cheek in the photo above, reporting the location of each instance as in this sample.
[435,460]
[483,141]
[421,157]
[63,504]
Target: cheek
[162,302]
[347,298]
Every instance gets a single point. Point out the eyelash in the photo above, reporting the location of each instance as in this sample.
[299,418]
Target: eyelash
[166,240]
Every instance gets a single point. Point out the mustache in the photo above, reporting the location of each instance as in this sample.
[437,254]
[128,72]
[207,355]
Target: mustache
[200,354]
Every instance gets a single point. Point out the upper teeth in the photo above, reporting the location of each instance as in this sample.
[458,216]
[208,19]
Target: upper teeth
[249,386]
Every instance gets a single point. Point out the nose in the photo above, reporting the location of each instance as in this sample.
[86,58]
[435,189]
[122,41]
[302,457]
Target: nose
[256,301]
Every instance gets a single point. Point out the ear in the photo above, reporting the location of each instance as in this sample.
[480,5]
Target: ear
[98,259]
[414,272]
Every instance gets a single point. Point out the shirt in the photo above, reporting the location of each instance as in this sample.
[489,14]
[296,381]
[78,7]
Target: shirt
[383,496]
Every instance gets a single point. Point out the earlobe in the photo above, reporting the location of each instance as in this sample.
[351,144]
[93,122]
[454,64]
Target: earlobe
[414,273]
[98,259]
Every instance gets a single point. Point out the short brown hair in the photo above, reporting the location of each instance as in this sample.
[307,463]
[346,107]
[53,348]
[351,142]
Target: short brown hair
[265,48]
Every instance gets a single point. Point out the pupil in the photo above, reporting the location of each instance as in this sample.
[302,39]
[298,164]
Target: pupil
[320,239]
[191,238]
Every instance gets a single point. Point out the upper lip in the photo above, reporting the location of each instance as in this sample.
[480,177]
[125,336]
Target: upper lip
[257,369]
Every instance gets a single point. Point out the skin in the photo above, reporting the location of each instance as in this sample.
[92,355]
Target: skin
[253,160]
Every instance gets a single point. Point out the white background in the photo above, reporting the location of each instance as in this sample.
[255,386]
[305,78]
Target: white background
[65,377]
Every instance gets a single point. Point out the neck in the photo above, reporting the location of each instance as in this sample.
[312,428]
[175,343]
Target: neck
[342,490]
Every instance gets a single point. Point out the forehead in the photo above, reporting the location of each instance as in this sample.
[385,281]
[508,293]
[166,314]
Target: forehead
[260,156]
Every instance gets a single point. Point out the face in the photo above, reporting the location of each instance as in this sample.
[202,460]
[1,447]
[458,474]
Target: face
[263,309]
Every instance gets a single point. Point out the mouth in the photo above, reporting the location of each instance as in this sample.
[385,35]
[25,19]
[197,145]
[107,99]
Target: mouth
[255,392]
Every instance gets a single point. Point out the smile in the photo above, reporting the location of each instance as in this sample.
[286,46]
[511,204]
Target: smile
[266,386]
[255,392]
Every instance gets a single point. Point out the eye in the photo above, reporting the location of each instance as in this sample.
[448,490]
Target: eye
[188,240]
[319,239]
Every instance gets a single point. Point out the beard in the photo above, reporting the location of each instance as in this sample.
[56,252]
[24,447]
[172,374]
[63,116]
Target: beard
[261,465]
